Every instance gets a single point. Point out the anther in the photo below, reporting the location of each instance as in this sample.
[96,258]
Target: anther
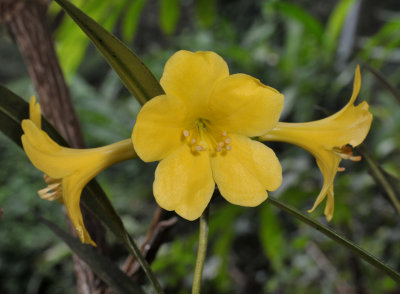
[220,144]
[228,147]
[224,133]
[341,169]
[227,140]
[199,148]
[356,158]
[186,133]
[193,141]
[219,149]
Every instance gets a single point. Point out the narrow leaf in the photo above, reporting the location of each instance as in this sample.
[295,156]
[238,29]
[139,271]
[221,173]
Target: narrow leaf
[131,19]
[368,257]
[169,15]
[100,265]
[271,236]
[134,74]
[206,11]
[335,24]
[310,23]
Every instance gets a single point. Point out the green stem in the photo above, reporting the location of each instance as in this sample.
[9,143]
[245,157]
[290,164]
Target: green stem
[381,179]
[134,250]
[201,253]
[368,257]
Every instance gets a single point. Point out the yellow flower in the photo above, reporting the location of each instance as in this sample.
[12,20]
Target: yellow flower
[329,140]
[199,131]
[68,170]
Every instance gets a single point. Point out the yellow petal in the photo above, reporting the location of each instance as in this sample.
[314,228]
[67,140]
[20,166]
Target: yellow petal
[183,182]
[243,105]
[244,173]
[192,77]
[158,128]
[328,163]
[326,138]
[74,168]
[34,112]
[72,189]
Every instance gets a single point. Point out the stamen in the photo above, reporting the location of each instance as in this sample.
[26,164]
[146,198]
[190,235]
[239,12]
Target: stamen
[356,158]
[204,136]
[341,169]
[53,191]
[199,148]
[346,152]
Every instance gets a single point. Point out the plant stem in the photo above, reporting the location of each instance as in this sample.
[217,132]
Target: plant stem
[201,252]
[381,179]
[368,257]
[134,250]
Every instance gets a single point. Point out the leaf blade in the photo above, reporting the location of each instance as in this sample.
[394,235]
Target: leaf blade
[101,266]
[134,74]
[368,257]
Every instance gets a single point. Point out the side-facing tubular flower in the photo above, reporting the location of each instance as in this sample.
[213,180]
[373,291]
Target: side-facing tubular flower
[68,170]
[329,140]
[199,131]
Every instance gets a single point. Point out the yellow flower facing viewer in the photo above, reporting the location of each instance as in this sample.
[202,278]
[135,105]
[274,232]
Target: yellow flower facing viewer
[329,140]
[68,170]
[199,131]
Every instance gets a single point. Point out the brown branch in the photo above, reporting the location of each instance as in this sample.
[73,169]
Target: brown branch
[25,20]
[155,237]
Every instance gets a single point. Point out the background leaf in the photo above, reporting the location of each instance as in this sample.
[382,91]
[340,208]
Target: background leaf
[134,74]
[271,235]
[100,265]
[169,15]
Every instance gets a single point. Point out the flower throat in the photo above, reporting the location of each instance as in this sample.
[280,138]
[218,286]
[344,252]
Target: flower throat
[205,137]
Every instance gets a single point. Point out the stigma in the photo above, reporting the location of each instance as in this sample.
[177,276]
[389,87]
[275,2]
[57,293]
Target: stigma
[205,137]
[53,191]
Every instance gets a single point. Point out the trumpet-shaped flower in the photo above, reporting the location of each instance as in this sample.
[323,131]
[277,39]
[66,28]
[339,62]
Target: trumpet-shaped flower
[199,131]
[329,140]
[68,170]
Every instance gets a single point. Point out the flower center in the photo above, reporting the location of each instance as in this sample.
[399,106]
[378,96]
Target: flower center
[53,191]
[346,152]
[203,136]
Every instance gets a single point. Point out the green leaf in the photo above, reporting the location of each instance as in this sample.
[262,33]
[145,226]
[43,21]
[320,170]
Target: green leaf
[335,24]
[368,257]
[387,39]
[131,19]
[169,15]
[206,12]
[310,23]
[100,265]
[271,236]
[134,74]
[13,109]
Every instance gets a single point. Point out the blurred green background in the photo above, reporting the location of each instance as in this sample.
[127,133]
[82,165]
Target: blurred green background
[308,50]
